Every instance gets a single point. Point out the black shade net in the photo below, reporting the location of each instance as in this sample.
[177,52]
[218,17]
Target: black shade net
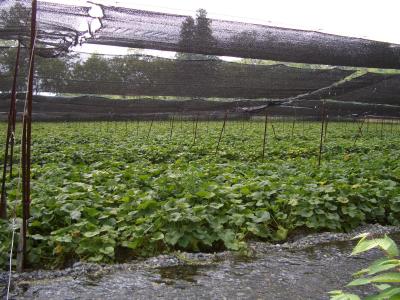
[150,76]
[196,72]
[61,26]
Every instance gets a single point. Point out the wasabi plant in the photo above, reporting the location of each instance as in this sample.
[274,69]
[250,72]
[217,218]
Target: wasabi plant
[383,273]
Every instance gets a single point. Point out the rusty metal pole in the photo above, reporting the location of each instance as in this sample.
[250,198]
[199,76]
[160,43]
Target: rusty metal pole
[26,147]
[9,138]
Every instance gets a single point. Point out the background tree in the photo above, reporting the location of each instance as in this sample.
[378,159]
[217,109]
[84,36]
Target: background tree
[187,39]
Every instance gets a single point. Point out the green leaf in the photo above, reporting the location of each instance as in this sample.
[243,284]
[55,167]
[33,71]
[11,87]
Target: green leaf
[205,194]
[383,266]
[381,278]
[108,251]
[359,281]
[89,234]
[75,215]
[340,295]
[364,245]
[157,236]
[37,237]
[391,277]
[382,287]
[281,233]
[261,216]
[172,237]
[64,239]
[389,246]
[391,293]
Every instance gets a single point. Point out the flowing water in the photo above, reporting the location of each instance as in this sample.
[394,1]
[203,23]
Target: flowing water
[289,271]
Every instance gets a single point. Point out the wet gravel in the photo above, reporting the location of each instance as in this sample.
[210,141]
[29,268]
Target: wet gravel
[305,267]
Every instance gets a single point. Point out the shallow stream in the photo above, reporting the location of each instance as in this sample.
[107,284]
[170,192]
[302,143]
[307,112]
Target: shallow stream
[305,268]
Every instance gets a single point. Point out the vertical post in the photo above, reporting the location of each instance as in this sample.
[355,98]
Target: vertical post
[265,134]
[151,125]
[294,122]
[391,126]
[195,129]
[26,147]
[172,126]
[359,132]
[322,133]
[222,131]
[326,126]
[273,130]
[9,138]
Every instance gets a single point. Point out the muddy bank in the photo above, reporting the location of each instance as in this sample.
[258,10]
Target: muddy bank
[305,267]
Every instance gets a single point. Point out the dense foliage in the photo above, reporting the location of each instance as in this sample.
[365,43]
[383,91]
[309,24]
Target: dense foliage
[107,191]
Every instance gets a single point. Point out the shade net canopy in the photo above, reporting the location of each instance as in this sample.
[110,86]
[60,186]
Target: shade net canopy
[62,26]
[153,76]
[197,75]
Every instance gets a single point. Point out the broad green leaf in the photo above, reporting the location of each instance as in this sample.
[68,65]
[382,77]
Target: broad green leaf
[384,266]
[364,245]
[64,239]
[172,237]
[388,293]
[89,234]
[359,281]
[381,278]
[389,246]
[108,251]
[382,287]
[340,295]
[157,236]
[37,237]
[261,216]
[75,215]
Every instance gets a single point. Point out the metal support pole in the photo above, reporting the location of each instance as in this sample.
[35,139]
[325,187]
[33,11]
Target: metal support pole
[26,147]
[221,133]
[322,133]
[10,138]
[195,129]
[265,134]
